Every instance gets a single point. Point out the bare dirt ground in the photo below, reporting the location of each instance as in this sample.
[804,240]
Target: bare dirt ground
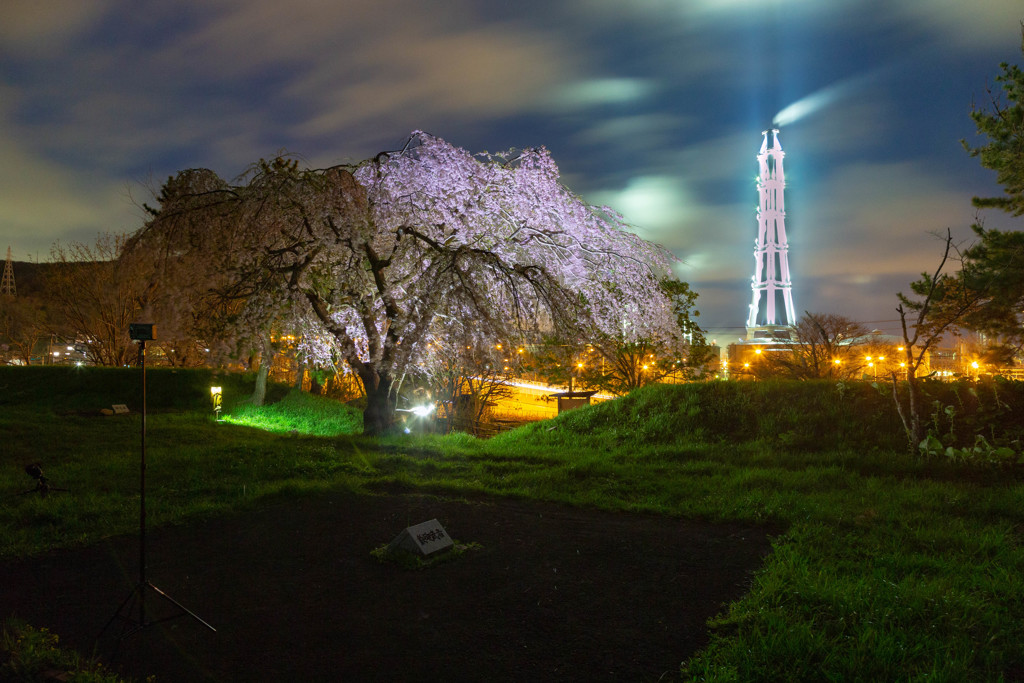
[554,593]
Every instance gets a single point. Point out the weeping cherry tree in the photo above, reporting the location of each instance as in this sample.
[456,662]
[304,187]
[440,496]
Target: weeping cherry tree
[366,263]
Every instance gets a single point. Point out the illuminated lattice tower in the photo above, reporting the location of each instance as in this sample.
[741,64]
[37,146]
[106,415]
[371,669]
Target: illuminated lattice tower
[771,309]
[7,286]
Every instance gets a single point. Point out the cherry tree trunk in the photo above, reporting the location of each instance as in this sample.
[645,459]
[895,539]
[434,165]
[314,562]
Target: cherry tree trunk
[379,416]
[259,394]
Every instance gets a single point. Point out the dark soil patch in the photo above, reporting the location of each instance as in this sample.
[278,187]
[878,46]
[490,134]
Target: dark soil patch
[555,593]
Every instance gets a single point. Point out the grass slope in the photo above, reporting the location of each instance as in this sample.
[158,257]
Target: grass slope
[891,568]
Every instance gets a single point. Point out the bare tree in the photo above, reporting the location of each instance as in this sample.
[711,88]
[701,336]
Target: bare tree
[621,361]
[943,302]
[621,367]
[824,346]
[24,321]
[97,295]
[466,374]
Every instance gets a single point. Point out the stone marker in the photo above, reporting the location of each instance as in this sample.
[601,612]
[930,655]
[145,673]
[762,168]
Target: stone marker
[119,408]
[424,539]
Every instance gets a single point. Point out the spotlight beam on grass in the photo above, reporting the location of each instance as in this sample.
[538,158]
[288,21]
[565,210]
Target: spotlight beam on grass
[299,413]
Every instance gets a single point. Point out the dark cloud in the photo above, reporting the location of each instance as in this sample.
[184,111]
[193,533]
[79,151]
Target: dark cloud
[654,108]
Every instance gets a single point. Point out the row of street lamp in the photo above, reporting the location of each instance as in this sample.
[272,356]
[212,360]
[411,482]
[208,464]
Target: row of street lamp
[874,361]
[870,359]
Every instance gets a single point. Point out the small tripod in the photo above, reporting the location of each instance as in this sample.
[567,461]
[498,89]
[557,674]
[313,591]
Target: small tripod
[42,487]
[138,593]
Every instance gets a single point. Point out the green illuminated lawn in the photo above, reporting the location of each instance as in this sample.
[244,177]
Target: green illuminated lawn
[298,413]
[891,568]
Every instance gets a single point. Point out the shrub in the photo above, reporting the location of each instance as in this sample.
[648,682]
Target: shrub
[30,654]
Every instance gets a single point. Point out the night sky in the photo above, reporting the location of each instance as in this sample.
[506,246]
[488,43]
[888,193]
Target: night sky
[654,107]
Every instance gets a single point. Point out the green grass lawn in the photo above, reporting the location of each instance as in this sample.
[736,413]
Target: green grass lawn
[891,567]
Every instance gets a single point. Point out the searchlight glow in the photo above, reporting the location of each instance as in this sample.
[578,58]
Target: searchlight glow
[830,94]
[805,106]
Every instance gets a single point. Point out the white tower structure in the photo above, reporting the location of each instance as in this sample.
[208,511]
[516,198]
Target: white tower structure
[771,309]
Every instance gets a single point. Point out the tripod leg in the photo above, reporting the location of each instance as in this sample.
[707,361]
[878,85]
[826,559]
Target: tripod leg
[184,610]
[123,611]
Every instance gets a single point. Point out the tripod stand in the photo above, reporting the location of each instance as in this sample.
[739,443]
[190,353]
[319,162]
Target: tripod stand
[138,593]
